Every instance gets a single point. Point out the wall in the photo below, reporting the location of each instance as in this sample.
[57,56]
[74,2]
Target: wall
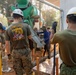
[55,2]
[66,5]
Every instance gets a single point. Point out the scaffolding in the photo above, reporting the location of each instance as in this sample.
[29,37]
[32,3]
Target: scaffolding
[56,7]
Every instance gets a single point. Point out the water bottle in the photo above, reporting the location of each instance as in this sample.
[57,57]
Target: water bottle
[5,67]
[5,63]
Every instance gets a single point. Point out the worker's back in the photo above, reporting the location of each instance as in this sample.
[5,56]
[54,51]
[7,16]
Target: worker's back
[67,44]
[18,33]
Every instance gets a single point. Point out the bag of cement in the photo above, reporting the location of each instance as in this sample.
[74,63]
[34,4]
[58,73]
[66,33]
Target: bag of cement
[5,67]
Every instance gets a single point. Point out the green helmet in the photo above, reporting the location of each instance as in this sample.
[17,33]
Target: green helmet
[22,3]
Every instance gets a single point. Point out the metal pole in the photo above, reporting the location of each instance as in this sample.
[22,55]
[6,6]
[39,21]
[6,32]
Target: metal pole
[57,71]
[40,14]
[62,15]
[54,61]
[54,64]
[50,4]
[37,63]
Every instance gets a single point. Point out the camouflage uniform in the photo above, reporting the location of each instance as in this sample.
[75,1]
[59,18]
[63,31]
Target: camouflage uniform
[22,61]
[2,49]
[2,41]
[17,34]
[67,70]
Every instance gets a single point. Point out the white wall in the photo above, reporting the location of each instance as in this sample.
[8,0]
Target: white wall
[66,5]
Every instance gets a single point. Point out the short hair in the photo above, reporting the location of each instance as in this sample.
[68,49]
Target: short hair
[48,27]
[16,16]
[71,18]
[44,28]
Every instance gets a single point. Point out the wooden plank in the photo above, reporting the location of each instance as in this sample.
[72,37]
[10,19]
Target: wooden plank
[40,73]
[56,65]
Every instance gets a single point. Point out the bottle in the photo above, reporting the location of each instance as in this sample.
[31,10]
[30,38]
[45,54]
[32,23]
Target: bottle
[5,63]
[5,67]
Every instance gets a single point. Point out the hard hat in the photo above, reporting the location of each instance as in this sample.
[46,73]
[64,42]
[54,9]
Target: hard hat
[18,11]
[72,11]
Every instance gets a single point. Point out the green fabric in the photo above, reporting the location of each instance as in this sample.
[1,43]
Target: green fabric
[65,70]
[22,3]
[29,13]
[13,8]
[67,44]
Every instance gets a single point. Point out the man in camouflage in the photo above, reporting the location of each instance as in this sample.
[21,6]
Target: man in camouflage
[5,67]
[67,44]
[2,37]
[18,33]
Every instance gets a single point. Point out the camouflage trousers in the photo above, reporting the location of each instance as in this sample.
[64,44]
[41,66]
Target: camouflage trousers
[22,61]
[65,70]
